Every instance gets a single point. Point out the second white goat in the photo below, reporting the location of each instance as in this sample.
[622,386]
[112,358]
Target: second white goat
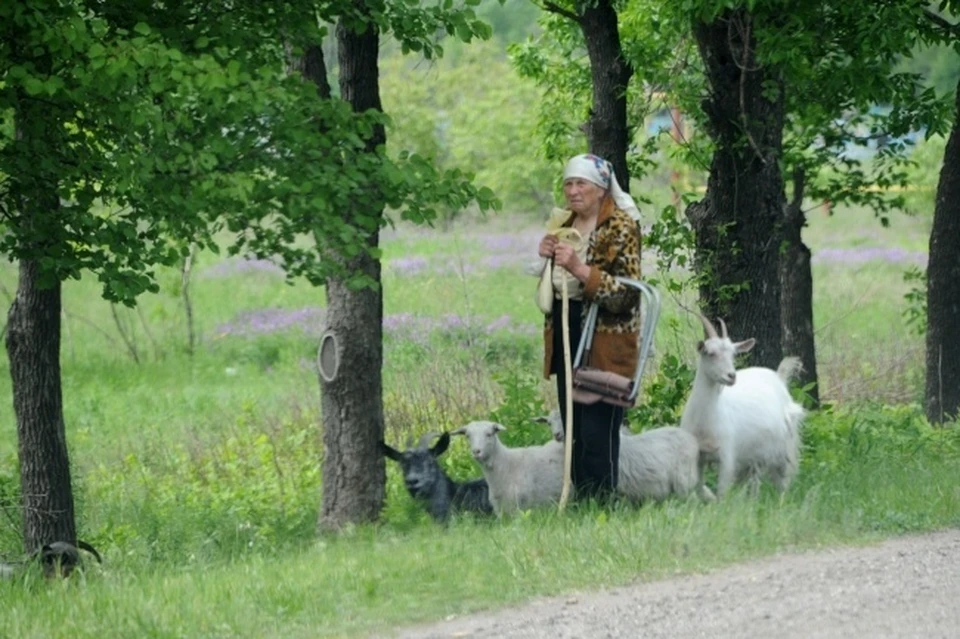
[655,464]
[744,420]
[517,478]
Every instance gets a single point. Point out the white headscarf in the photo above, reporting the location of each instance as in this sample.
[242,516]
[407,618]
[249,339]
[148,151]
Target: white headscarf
[597,170]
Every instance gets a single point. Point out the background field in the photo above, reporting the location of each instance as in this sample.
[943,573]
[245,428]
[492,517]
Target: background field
[198,475]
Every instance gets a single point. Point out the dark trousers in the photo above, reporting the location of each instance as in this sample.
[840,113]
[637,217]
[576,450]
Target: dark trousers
[596,427]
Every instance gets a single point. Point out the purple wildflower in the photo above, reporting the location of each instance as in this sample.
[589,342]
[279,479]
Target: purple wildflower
[522,242]
[501,323]
[891,255]
[400,322]
[407,266]
[264,321]
[242,266]
[453,322]
[420,328]
[505,261]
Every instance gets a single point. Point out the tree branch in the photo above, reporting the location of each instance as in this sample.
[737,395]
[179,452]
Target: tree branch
[942,23]
[127,340]
[185,294]
[560,11]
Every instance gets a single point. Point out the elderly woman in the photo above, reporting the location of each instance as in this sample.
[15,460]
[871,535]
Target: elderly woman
[607,219]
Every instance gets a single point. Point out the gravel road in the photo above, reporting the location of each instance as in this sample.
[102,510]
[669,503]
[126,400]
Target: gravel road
[905,587]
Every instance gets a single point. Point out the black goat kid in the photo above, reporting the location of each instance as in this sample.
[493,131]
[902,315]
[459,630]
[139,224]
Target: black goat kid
[58,559]
[427,483]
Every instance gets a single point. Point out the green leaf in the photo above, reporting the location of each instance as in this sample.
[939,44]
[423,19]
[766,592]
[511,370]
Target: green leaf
[33,86]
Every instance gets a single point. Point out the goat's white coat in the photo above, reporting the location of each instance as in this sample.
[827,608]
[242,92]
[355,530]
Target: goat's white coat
[745,420]
[517,478]
[655,464]
[659,463]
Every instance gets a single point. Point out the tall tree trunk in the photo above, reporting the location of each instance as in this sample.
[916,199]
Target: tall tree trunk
[796,282]
[33,346]
[354,473]
[942,394]
[607,131]
[737,224]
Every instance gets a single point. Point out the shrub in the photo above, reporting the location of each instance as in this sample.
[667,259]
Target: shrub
[836,437]
[663,396]
[521,402]
[255,484]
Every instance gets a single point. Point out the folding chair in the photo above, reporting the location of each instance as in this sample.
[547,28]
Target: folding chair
[591,385]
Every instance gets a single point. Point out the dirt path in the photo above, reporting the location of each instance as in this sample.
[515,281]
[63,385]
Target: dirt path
[907,587]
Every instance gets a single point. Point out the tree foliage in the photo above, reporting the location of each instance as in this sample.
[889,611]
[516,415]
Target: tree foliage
[487,123]
[839,63]
[155,135]
[848,116]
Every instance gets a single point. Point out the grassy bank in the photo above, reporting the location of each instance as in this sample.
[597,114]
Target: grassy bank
[371,579]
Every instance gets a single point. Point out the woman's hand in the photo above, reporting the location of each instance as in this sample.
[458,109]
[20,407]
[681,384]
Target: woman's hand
[565,256]
[548,245]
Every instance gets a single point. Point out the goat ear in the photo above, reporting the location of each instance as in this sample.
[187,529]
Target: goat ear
[700,347]
[498,427]
[389,452]
[745,346]
[459,431]
[441,445]
[541,419]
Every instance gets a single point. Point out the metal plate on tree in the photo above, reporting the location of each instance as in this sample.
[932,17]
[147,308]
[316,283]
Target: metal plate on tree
[328,357]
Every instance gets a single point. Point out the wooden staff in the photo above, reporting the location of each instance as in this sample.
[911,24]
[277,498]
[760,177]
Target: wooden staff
[568,372]
[572,237]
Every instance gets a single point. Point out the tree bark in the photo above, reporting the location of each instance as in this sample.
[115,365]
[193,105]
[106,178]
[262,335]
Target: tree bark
[312,67]
[737,225]
[354,473]
[33,346]
[942,393]
[796,303]
[607,132]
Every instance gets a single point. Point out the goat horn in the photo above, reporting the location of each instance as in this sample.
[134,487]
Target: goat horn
[723,327]
[90,549]
[708,327]
[426,438]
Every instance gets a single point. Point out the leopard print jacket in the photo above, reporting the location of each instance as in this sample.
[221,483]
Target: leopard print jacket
[613,251]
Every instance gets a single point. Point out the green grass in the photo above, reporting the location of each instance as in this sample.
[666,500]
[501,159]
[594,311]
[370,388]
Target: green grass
[371,579]
[198,475]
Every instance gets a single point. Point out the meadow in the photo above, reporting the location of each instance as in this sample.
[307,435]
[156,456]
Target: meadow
[197,473]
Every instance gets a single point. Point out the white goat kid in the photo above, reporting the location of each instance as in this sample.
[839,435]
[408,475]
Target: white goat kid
[517,478]
[654,465]
[745,420]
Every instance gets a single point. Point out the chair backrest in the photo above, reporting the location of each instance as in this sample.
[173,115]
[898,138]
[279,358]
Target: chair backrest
[649,297]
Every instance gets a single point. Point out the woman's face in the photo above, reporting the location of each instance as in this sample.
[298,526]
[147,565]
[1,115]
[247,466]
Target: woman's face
[583,196]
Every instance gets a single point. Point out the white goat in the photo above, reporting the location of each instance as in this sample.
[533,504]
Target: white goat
[745,420]
[517,478]
[655,464]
